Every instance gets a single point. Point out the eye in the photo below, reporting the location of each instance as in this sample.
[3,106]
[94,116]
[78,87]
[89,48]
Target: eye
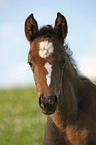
[63,62]
[31,65]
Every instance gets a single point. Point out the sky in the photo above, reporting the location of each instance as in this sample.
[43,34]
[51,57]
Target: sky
[81,19]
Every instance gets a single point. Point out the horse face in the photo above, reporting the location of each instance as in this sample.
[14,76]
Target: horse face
[47,62]
[47,59]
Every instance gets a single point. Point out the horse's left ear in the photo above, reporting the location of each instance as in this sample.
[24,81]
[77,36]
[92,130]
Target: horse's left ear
[31,27]
[61,26]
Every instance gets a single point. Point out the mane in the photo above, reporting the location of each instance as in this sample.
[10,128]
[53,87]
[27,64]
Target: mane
[48,31]
[74,63]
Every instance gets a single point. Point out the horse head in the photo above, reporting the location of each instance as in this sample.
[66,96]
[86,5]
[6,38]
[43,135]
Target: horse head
[47,59]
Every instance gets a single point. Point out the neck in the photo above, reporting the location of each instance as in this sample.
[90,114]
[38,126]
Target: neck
[67,110]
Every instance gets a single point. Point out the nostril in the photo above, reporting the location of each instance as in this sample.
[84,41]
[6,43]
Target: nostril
[41,101]
[42,105]
[55,99]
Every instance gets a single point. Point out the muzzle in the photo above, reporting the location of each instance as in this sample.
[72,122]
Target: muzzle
[48,104]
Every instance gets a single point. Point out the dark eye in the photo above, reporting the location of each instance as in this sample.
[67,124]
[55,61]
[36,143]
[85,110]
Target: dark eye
[63,62]
[30,64]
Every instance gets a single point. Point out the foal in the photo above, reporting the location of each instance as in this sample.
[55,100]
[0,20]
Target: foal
[68,100]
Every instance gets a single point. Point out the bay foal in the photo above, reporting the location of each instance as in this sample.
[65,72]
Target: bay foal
[68,99]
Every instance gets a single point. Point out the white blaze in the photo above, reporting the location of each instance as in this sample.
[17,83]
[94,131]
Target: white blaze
[49,70]
[45,49]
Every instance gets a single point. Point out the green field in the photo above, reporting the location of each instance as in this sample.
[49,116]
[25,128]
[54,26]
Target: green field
[94,81]
[21,121]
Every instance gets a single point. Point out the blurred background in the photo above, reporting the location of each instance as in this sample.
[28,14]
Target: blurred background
[21,121]
[81,19]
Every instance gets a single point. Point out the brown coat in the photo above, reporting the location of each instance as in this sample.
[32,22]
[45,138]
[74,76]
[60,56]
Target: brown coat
[70,100]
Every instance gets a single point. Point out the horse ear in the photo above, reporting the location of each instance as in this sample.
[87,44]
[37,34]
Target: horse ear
[61,26]
[31,27]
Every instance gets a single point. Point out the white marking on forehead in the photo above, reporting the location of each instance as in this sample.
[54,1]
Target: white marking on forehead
[49,70]
[45,49]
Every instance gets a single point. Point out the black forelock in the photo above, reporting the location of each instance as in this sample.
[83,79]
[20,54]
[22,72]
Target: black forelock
[46,31]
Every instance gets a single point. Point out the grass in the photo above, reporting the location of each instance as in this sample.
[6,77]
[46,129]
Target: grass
[94,81]
[21,121]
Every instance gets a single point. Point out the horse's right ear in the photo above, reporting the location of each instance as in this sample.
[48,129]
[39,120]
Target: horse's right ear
[31,27]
